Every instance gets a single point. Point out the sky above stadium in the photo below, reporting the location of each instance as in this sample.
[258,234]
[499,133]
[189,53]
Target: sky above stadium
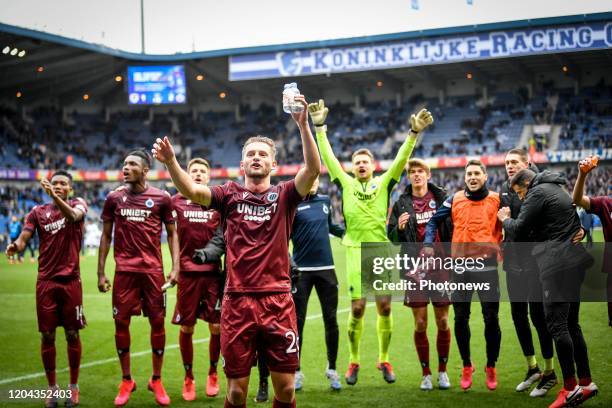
[205,25]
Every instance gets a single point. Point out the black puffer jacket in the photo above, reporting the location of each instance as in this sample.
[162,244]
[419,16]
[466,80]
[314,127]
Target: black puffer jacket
[549,213]
[404,204]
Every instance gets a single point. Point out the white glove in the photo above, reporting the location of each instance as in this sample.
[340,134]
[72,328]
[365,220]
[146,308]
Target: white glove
[318,112]
[421,120]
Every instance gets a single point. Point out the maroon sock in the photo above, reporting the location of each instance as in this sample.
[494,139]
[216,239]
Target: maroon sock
[443,342]
[122,343]
[47,352]
[186,346]
[214,350]
[584,381]
[422,347]
[158,343]
[74,358]
[569,383]
[278,404]
[228,405]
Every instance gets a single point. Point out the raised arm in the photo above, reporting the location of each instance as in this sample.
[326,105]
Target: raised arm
[72,214]
[584,168]
[307,175]
[318,113]
[418,123]
[164,152]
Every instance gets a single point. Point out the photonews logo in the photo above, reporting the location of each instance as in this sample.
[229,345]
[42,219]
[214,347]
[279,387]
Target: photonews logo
[289,63]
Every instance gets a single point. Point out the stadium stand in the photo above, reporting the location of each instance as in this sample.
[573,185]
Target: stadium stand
[46,138]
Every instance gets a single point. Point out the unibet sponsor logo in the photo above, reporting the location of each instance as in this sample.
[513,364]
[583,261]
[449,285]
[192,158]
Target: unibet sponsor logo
[198,216]
[55,226]
[363,196]
[424,217]
[135,214]
[256,212]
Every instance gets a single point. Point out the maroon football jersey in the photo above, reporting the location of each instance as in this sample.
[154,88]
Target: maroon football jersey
[138,220]
[196,226]
[60,240]
[424,208]
[602,207]
[256,229]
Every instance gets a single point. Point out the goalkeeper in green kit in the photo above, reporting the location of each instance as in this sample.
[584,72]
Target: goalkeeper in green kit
[365,201]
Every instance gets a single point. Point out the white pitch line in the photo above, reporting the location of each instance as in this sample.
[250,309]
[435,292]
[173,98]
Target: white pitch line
[137,354]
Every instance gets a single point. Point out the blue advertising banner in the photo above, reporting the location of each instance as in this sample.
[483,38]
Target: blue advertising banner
[438,50]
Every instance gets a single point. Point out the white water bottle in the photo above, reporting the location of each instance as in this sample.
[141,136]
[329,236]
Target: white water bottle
[289,104]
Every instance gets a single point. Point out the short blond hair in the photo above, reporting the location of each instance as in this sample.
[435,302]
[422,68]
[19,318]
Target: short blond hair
[412,163]
[198,160]
[365,151]
[262,139]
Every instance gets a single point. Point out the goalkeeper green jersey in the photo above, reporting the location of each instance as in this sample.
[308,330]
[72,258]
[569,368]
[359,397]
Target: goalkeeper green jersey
[364,205]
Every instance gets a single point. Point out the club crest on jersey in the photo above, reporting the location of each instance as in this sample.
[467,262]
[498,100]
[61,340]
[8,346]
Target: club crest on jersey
[373,187]
[432,203]
[245,195]
[325,209]
[48,214]
[149,203]
[124,198]
[273,196]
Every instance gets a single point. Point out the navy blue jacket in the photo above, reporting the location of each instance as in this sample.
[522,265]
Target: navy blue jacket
[310,234]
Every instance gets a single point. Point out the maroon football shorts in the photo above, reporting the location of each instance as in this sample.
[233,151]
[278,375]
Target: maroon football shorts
[258,323]
[421,297]
[59,303]
[137,292]
[198,296]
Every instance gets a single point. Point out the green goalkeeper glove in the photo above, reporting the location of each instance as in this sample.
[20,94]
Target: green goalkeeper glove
[420,121]
[318,112]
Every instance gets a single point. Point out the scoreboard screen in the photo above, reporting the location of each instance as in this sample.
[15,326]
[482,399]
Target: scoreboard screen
[156,85]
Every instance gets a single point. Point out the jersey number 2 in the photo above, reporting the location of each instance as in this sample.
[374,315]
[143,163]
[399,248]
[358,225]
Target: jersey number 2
[293,347]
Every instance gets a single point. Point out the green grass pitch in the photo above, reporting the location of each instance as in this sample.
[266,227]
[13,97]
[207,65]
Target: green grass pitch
[21,367]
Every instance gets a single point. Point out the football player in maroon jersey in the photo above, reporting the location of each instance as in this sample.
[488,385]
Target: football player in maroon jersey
[59,295]
[199,284]
[258,313]
[137,212]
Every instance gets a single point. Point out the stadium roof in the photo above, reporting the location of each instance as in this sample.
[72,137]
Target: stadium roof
[65,73]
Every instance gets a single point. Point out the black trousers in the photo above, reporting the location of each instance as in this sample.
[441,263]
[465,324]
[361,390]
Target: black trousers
[520,284]
[562,313]
[326,285]
[562,321]
[489,301]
